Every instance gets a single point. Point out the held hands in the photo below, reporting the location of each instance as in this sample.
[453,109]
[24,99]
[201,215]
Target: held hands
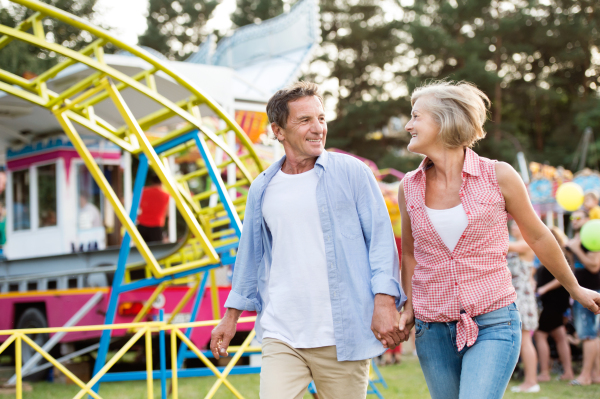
[222,334]
[385,321]
[407,322]
[588,298]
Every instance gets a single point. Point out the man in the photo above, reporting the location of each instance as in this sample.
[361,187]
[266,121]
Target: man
[153,210]
[317,261]
[587,272]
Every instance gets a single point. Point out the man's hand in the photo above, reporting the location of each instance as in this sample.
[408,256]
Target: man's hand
[385,321]
[407,322]
[222,334]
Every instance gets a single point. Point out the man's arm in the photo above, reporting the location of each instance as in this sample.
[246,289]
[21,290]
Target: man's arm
[383,259]
[590,260]
[244,287]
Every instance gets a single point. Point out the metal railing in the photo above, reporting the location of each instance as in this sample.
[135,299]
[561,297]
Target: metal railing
[145,329]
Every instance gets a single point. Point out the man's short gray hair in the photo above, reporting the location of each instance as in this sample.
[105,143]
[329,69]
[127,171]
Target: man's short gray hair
[459,108]
[277,107]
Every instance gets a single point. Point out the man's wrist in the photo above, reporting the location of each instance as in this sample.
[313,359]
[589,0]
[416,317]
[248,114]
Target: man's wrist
[232,314]
[385,299]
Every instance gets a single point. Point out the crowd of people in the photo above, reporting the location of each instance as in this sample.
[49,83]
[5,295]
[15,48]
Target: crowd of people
[550,315]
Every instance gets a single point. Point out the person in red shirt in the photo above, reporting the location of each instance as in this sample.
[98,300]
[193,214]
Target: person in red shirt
[153,210]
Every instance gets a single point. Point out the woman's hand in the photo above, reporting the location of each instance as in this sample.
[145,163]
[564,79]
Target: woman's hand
[407,322]
[588,298]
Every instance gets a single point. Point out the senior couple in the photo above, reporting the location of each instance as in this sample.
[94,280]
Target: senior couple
[317,258]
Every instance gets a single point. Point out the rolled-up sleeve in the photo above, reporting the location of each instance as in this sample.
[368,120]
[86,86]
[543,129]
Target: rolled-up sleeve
[379,237]
[244,288]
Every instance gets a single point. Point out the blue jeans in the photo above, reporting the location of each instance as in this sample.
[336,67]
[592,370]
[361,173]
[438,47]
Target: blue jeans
[586,323]
[480,371]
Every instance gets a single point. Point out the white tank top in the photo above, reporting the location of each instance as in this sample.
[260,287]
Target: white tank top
[449,224]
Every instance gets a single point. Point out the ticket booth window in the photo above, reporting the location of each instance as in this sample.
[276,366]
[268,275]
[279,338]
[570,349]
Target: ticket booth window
[20,188]
[46,195]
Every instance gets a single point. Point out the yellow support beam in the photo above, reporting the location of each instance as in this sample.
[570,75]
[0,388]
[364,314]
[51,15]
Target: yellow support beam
[214,294]
[159,169]
[72,20]
[149,369]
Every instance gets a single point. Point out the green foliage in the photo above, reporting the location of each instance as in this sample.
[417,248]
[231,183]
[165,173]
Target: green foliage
[19,57]
[535,61]
[358,48]
[177,28]
[255,11]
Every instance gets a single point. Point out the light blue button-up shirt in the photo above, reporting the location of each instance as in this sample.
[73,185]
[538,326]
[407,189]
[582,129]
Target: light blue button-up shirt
[360,250]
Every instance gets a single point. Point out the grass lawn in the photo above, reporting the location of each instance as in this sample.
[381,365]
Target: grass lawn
[405,381]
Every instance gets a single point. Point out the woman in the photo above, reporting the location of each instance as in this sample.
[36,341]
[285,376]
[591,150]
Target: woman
[454,243]
[555,302]
[520,265]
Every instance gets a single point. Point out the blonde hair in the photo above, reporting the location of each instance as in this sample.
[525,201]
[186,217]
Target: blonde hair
[459,108]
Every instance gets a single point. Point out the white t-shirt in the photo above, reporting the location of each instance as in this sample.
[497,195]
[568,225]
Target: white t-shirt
[449,224]
[298,307]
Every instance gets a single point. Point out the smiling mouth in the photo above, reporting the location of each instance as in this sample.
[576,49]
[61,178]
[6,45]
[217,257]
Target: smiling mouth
[413,135]
[314,141]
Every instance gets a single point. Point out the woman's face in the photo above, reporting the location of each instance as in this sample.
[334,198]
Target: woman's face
[422,128]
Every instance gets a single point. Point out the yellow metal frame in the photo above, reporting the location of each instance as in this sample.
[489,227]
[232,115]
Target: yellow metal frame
[141,329]
[75,104]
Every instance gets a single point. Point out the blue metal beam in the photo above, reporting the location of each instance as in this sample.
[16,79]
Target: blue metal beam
[111,311]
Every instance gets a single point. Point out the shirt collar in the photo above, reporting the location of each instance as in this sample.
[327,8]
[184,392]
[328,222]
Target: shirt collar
[470,165]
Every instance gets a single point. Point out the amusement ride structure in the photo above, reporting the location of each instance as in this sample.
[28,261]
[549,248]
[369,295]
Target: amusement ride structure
[114,109]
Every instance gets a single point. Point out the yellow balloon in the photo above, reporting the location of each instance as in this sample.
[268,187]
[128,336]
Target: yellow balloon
[569,196]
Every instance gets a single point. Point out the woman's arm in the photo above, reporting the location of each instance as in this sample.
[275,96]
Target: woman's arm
[407,318]
[538,236]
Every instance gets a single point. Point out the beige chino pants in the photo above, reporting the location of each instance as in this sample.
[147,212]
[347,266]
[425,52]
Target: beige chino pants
[286,372]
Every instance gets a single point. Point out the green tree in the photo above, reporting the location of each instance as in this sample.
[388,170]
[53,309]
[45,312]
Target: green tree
[359,47]
[535,60]
[177,28]
[19,57]
[255,11]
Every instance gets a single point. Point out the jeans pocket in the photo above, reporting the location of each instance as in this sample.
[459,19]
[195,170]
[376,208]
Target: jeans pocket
[497,317]
[419,328]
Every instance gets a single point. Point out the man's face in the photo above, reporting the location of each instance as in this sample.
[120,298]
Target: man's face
[306,130]
[578,219]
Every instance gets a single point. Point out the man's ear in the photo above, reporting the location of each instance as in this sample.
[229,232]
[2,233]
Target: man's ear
[277,131]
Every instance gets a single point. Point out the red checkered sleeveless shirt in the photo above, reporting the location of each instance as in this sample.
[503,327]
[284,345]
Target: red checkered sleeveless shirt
[474,276]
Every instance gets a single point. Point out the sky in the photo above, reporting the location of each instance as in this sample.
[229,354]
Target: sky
[127,18]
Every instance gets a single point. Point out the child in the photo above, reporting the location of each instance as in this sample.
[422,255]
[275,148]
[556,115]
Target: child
[590,203]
